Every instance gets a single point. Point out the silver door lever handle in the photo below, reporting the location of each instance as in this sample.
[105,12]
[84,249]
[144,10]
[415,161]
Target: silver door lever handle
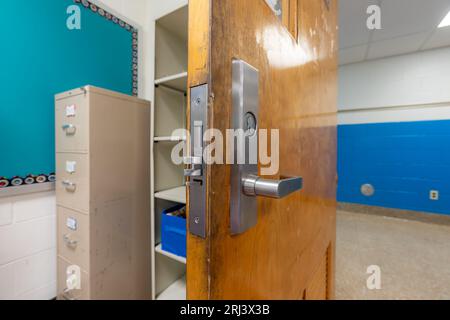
[255,186]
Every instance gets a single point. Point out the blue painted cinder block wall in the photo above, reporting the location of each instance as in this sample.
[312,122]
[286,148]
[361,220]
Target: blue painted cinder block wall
[403,161]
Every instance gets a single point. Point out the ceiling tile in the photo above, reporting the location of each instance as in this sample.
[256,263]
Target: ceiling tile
[397,46]
[352,22]
[352,55]
[441,38]
[406,26]
[406,17]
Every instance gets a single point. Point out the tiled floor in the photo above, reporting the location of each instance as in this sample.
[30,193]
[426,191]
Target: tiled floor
[414,258]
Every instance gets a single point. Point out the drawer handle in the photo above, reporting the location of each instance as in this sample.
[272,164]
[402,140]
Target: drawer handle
[70,186]
[70,242]
[70,129]
[67,295]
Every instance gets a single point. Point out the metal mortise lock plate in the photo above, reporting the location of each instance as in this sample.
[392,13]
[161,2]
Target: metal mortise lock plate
[246,185]
[245,91]
[196,173]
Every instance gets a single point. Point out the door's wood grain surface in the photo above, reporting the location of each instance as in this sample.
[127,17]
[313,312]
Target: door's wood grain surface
[290,253]
[199,73]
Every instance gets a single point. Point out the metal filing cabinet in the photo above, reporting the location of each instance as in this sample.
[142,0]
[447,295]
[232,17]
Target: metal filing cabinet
[103,195]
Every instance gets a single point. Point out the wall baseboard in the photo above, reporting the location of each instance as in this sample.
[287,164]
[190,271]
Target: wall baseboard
[396,213]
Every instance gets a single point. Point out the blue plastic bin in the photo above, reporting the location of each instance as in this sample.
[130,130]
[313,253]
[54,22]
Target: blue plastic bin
[173,232]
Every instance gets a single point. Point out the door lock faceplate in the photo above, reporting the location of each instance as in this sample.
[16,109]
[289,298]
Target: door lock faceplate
[195,166]
[246,185]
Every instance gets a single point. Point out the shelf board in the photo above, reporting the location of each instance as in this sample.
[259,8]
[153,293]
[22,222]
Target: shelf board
[175,195]
[169,139]
[177,22]
[176,292]
[172,256]
[177,81]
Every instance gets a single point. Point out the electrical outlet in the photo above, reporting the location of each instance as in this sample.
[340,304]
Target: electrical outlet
[434,195]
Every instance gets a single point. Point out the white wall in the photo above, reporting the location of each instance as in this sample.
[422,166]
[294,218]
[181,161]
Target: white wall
[404,88]
[158,8]
[133,10]
[28,247]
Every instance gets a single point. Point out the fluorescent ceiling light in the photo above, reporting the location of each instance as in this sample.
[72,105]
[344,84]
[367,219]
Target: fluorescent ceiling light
[445,22]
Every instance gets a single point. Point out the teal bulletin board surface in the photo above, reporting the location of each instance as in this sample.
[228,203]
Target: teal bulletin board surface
[41,57]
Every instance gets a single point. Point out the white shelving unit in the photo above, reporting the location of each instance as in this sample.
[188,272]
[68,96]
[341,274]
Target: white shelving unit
[176,291]
[170,255]
[176,82]
[177,195]
[168,270]
[169,139]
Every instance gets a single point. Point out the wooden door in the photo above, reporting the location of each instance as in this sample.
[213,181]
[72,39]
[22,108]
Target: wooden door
[289,254]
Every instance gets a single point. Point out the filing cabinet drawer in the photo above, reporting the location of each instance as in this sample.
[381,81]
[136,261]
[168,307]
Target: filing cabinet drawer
[72,184]
[81,294]
[73,237]
[72,124]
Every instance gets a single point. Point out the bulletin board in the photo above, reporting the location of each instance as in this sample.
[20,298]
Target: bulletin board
[41,56]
